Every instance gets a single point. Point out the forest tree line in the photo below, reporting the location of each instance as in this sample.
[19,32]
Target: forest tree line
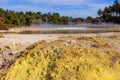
[110,13]
[12,18]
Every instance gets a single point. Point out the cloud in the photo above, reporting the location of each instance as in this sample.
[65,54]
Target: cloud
[59,2]
[70,2]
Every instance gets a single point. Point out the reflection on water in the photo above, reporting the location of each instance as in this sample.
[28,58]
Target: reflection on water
[74,28]
[67,31]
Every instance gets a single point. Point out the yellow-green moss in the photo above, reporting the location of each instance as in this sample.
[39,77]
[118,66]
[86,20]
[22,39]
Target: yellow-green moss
[99,42]
[53,61]
[9,47]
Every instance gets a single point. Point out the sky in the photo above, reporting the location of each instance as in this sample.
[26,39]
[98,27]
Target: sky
[74,8]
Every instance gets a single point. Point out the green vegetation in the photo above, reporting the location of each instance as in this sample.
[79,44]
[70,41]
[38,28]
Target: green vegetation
[111,13]
[2,25]
[12,18]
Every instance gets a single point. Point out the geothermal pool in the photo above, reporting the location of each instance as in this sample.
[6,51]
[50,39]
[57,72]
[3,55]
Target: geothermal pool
[63,30]
[68,30]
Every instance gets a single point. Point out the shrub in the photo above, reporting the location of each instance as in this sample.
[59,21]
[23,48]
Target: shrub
[3,27]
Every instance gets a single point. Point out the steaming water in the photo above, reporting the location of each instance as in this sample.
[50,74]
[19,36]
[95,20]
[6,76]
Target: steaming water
[61,26]
[71,29]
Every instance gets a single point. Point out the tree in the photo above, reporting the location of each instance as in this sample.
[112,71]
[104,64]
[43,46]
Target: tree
[89,19]
[13,18]
[2,19]
[116,3]
[111,13]
[55,18]
[100,12]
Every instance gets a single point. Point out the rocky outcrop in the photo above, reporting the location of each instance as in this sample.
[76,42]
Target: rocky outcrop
[9,56]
